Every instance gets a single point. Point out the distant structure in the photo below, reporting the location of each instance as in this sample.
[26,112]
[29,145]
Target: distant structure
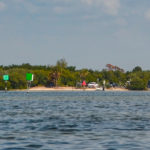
[113,68]
[148,84]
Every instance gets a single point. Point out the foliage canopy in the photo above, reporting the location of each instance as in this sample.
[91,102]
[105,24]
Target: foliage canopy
[63,75]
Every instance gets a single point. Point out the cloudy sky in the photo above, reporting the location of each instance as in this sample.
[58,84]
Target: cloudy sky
[87,33]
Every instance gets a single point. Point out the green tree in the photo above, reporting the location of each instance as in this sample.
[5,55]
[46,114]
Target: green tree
[18,81]
[137,84]
[137,69]
[54,76]
[40,78]
[61,63]
[68,78]
[83,74]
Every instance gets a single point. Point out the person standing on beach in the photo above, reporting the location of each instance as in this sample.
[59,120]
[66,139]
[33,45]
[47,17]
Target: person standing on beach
[83,84]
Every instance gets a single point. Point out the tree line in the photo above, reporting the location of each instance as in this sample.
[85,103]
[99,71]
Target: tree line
[63,75]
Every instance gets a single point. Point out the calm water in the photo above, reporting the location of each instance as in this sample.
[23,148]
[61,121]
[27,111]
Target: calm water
[75,121]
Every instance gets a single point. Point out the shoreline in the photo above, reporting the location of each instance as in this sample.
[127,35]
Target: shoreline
[67,89]
[36,89]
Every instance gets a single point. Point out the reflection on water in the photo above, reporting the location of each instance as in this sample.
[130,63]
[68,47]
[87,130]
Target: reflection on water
[75,120]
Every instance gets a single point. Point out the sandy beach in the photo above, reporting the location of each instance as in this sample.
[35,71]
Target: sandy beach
[41,88]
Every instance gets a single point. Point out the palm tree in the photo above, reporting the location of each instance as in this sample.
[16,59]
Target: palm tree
[54,76]
[83,74]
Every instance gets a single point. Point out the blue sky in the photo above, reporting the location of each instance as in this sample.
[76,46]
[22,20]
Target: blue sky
[87,33]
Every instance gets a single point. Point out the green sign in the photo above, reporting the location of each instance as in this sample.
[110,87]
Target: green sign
[29,77]
[5,77]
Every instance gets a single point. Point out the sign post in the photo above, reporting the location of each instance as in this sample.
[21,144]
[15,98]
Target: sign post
[5,78]
[29,78]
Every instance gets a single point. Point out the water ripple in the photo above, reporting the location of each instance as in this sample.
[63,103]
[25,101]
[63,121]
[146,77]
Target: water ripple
[75,120]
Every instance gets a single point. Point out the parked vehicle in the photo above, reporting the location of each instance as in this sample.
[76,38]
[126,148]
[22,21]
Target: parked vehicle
[113,84]
[92,85]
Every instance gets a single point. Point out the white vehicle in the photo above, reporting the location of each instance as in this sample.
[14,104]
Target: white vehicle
[92,85]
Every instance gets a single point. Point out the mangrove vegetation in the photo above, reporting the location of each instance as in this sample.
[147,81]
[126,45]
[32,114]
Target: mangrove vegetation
[63,75]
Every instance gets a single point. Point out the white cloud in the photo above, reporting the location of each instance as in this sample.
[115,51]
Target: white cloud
[121,21]
[32,8]
[87,17]
[2,6]
[18,1]
[109,6]
[59,10]
[29,6]
[89,2]
[147,14]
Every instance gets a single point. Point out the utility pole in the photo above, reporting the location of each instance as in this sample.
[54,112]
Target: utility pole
[104,82]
